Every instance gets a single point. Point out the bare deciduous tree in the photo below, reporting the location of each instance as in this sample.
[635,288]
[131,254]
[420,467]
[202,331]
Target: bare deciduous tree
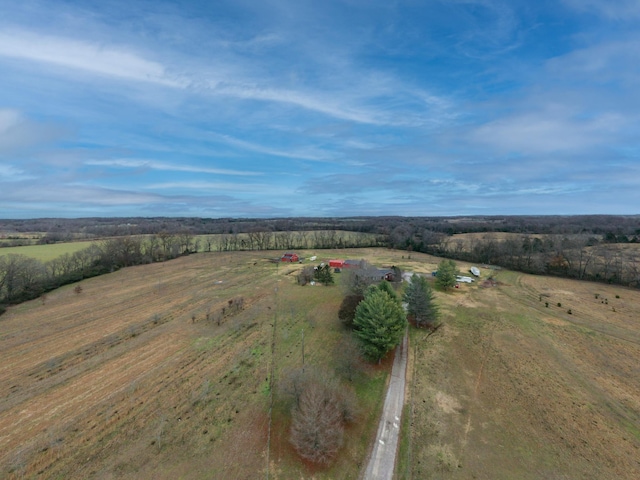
[317,424]
[349,358]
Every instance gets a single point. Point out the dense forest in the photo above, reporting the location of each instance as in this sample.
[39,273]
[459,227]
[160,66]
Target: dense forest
[60,228]
[594,247]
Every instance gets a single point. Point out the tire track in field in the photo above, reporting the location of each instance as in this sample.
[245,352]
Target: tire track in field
[61,405]
[82,392]
[95,328]
[159,398]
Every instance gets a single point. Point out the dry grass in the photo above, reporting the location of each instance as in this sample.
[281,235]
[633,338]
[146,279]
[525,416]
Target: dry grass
[119,381]
[510,388]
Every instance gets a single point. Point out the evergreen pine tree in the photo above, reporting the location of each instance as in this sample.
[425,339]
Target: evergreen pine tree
[379,323]
[419,299]
[386,287]
[323,275]
[447,271]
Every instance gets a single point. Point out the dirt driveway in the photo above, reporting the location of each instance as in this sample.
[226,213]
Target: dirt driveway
[382,461]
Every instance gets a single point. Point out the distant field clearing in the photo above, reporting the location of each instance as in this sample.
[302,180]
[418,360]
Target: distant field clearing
[44,253]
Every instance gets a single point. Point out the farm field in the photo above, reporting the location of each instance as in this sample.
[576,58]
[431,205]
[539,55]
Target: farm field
[44,253]
[128,378]
[512,388]
[204,243]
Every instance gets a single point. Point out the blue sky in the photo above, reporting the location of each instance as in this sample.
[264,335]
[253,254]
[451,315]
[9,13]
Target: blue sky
[277,108]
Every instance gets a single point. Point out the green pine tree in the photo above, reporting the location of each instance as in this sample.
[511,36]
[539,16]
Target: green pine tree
[386,287]
[419,299]
[379,323]
[446,277]
[323,275]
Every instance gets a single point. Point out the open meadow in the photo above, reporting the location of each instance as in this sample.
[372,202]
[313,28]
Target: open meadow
[141,374]
[126,377]
[530,377]
[45,253]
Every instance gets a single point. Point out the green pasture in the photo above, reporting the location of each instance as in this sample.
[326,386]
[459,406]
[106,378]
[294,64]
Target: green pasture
[49,252]
[45,253]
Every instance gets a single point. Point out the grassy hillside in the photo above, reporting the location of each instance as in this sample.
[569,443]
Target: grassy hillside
[512,388]
[128,378]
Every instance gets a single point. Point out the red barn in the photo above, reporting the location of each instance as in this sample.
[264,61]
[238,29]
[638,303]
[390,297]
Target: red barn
[336,263]
[289,257]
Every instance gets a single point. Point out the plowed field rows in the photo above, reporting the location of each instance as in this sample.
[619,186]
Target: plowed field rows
[144,375]
[82,373]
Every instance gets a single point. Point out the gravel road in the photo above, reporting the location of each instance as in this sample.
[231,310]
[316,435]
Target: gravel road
[383,456]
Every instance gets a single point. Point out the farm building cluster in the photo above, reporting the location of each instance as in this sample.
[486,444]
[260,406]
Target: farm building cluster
[364,269]
[370,272]
[290,257]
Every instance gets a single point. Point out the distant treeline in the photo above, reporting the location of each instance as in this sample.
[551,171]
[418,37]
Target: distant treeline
[583,247]
[60,229]
[579,256]
[24,278]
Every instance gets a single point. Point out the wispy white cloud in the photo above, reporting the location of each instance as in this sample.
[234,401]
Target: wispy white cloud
[83,55]
[8,119]
[155,165]
[17,132]
[214,186]
[427,107]
[315,101]
[9,173]
[613,9]
[76,193]
[547,132]
[607,61]
[234,76]
[306,154]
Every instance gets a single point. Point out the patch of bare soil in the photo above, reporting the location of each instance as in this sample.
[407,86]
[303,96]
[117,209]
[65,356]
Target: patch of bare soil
[511,388]
[489,282]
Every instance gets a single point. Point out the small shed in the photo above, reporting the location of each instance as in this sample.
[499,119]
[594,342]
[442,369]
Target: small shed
[290,257]
[336,263]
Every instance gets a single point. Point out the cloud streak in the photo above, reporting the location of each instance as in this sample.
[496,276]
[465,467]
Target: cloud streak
[155,165]
[337,108]
[82,55]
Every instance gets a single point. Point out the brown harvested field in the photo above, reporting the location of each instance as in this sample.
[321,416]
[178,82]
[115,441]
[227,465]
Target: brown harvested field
[512,389]
[469,239]
[119,381]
